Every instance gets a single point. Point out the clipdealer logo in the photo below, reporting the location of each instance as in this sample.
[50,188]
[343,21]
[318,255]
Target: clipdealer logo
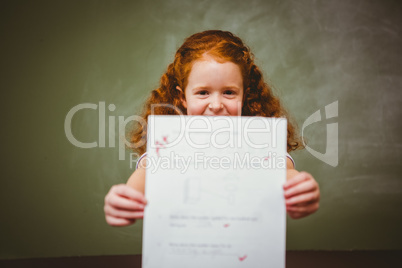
[331,151]
[330,156]
[101,143]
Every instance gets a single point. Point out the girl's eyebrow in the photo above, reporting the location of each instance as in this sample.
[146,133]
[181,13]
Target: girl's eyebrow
[231,87]
[200,88]
[206,87]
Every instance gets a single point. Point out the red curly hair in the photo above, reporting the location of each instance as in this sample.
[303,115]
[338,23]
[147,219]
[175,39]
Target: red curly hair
[258,99]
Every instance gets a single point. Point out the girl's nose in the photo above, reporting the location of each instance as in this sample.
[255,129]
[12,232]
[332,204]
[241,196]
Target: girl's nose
[215,106]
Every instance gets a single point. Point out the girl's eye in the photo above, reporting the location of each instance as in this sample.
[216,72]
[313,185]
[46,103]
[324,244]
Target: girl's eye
[203,92]
[229,92]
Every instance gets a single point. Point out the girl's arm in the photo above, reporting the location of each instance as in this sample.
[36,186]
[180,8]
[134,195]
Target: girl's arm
[125,202]
[302,194]
[137,179]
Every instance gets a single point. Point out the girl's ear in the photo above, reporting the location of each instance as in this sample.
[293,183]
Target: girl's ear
[183,100]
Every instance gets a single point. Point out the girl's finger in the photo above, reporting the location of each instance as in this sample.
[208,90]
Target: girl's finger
[303,187]
[302,176]
[127,191]
[296,215]
[123,203]
[306,209]
[118,221]
[303,198]
[116,213]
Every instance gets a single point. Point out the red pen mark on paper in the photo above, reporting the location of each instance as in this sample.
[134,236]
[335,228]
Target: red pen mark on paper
[242,258]
[160,145]
[266,158]
[226,225]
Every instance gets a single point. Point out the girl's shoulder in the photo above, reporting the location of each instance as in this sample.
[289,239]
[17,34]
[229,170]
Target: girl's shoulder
[291,159]
[139,159]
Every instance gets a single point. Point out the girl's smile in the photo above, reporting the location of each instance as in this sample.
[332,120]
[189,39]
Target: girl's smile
[213,88]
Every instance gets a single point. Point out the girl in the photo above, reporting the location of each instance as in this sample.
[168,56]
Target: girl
[213,73]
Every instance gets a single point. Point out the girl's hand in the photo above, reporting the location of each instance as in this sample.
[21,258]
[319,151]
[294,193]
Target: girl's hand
[302,195]
[123,205]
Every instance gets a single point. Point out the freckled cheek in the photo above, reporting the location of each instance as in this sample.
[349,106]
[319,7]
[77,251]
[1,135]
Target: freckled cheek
[234,108]
[234,111]
[196,108]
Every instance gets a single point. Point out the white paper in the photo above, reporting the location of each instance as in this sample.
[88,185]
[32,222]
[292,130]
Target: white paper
[214,191]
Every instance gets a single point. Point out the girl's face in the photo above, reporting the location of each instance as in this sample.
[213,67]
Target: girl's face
[214,88]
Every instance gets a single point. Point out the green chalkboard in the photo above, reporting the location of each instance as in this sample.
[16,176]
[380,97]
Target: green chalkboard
[108,55]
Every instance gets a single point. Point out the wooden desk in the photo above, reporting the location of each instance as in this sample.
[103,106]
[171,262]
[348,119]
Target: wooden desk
[299,259]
